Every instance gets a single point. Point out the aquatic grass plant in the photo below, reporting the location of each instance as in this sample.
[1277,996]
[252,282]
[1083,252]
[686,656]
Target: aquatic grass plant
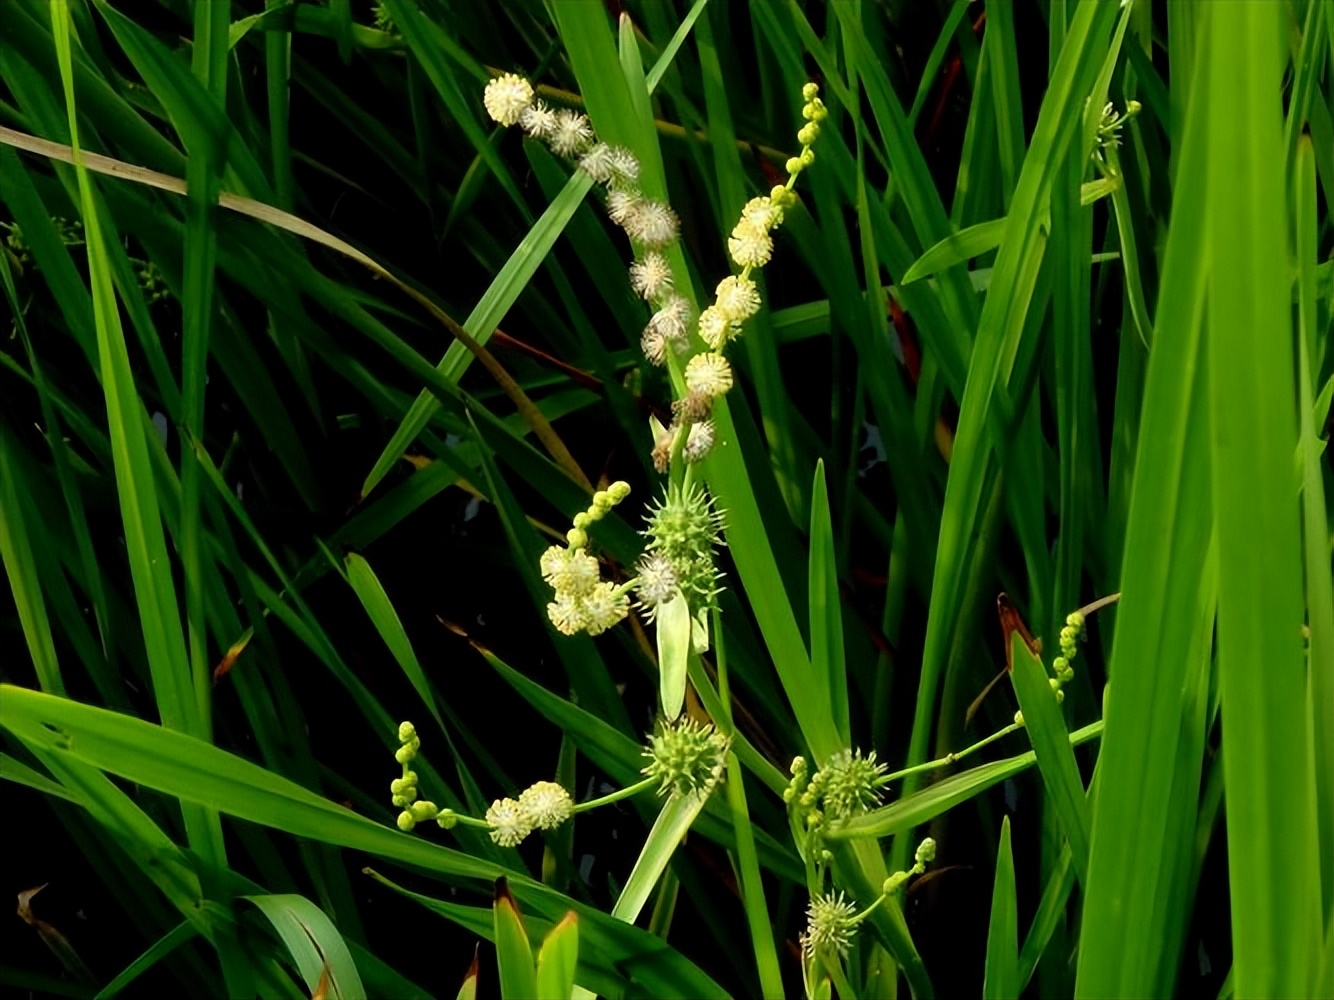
[804,331]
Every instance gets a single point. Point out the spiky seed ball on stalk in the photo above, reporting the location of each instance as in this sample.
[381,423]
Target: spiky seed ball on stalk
[684,526]
[846,785]
[831,922]
[686,757]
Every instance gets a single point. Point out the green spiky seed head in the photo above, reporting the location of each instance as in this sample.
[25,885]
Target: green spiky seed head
[831,922]
[683,527]
[686,757]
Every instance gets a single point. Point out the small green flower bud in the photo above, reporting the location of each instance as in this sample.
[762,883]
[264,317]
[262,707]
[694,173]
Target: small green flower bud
[1075,620]
[807,156]
[618,490]
[793,165]
[1055,684]
[1133,108]
[809,91]
[808,134]
[780,195]
[1060,664]
[1019,718]
[401,786]
[577,538]
[448,819]
[423,811]
[405,753]
[406,821]
[893,883]
[1060,696]
[602,499]
[407,732]
[821,112]
[582,520]
[401,801]
[808,112]
[926,851]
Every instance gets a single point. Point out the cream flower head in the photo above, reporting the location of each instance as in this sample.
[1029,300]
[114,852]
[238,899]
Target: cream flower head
[737,298]
[571,133]
[507,97]
[750,244]
[508,822]
[709,374]
[546,804]
[651,275]
[652,224]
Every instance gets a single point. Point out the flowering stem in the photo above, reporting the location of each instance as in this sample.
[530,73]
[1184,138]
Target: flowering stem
[948,758]
[462,820]
[869,910]
[624,793]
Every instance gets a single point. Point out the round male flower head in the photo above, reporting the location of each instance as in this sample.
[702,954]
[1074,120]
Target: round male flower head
[567,614]
[506,97]
[538,120]
[603,608]
[750,244]
[546,804]
[654,345]
[652,224]
[699,442]
[569,571]
[571,134]
[831,922]
[767,213]
[657,583]
[686,757]
[708,374]
[715,326]
[737,298]
[610,165]
[672,321]
[651,275]
[508,822]
[620,204]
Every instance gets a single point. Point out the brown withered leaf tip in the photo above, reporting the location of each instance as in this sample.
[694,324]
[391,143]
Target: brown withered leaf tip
[228,661]
[322,988]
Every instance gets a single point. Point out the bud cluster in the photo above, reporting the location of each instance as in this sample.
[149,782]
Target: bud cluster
[1070,634]
[584,602]
[542,806]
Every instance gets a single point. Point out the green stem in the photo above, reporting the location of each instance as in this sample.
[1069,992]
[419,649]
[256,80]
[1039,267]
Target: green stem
[624,793]
[949,758]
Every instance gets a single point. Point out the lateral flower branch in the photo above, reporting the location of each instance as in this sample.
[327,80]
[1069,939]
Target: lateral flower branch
[684,525]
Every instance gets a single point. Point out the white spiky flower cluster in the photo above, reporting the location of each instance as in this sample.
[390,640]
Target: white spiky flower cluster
[543,806]
[650,224]
[584,602]
[737,298]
